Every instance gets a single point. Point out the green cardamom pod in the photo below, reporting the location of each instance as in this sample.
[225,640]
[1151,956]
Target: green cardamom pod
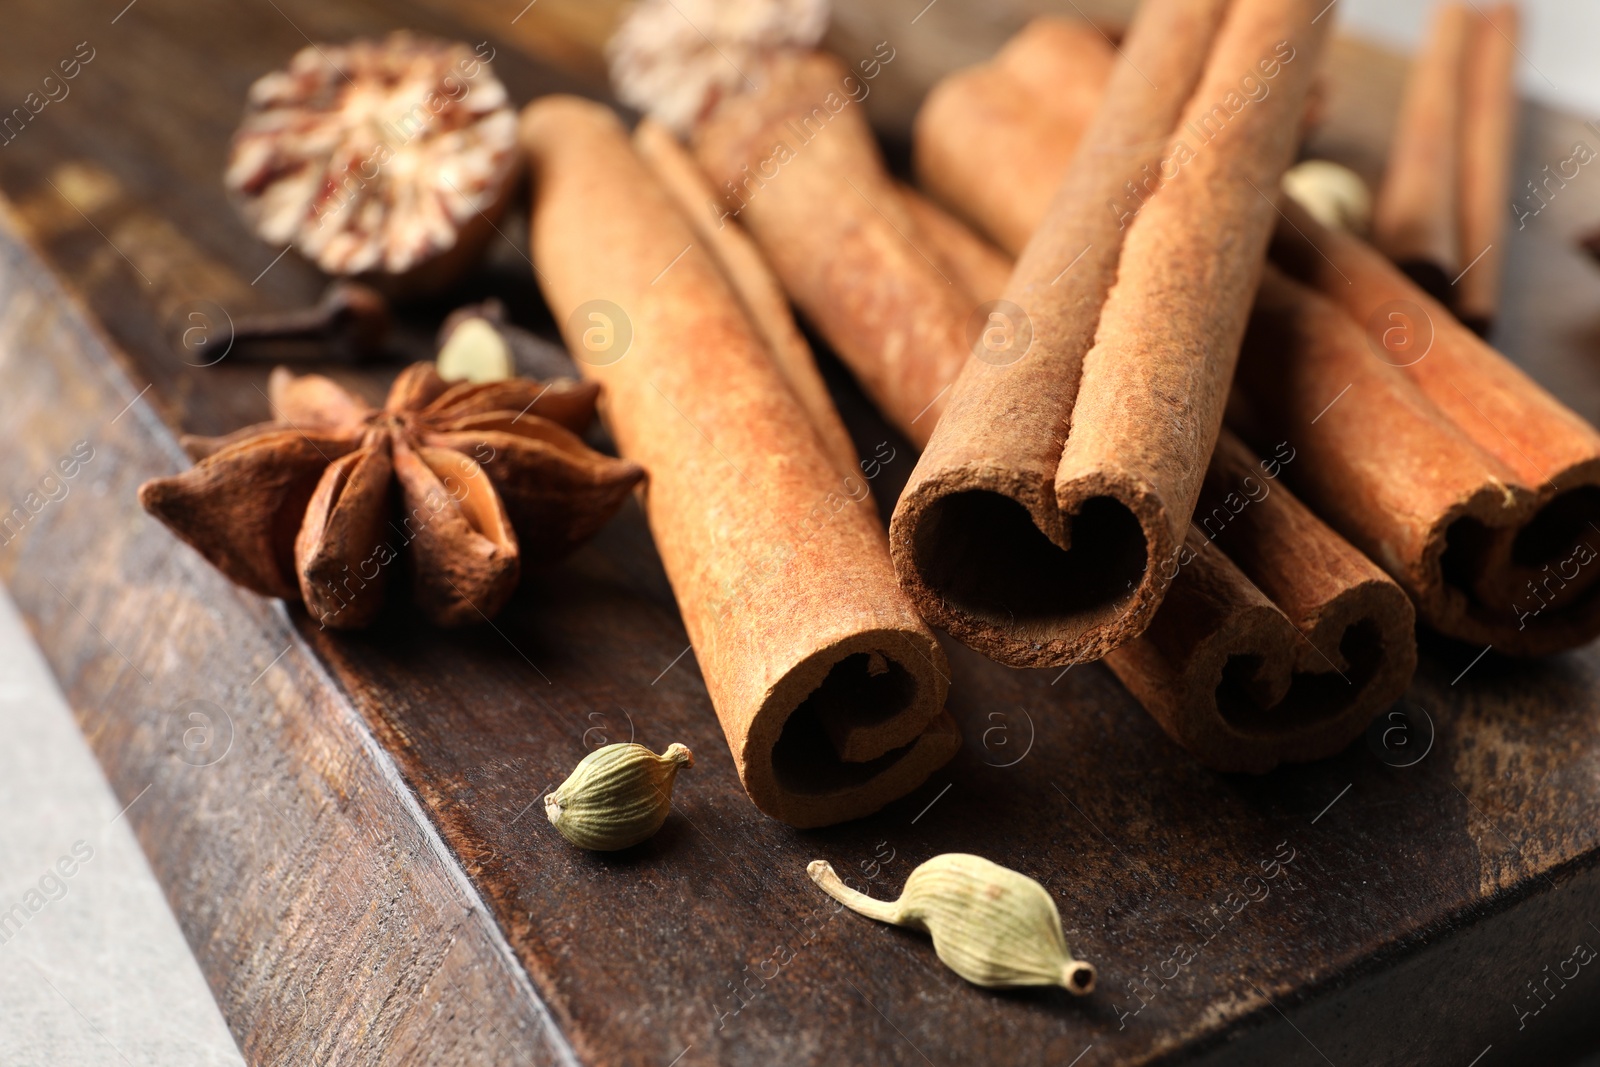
[617,796]
[993,926]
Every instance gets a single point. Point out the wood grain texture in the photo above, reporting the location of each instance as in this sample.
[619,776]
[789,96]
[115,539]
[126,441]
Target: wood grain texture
[329,916]
[314,868]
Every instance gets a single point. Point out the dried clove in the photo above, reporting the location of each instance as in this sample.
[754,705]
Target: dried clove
[351,321]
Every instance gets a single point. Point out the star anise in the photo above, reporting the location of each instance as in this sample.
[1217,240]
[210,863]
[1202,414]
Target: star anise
[451,484]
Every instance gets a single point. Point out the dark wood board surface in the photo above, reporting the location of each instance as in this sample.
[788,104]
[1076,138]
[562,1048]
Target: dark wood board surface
[364,870]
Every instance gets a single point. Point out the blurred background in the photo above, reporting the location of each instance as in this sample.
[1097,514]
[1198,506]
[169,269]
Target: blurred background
[1558,38]
[103,975]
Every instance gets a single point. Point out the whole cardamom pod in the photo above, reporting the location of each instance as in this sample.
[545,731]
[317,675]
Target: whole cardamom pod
[993,926]
[617,796]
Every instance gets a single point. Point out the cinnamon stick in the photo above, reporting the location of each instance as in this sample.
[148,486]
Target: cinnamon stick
[1054,481]
[1477,492]
[1481,493]
[797,165]
[1029,106]
[1488,139]
[973,264]
[752,279]
[1278,641]
[1414,219]
[828,686]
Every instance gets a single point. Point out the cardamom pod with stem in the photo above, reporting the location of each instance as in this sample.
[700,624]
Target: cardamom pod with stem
[617,796]
[993,926]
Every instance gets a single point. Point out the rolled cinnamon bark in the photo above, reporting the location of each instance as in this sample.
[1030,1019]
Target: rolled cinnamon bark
[1278,641]
[1414,216]
[798,166]
[975,265]
[1038,95]
[1476,496]
[1488,138]
[743,265]
[1062,469]
[1481,493]
[829,688]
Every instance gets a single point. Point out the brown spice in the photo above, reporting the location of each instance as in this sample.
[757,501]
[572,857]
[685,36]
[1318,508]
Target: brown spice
[1278,641]
[829,687]
[1488,140]
[975,265]
[752,279]
[1414,218]
[1056,479]
[382,158]
[351,320]
[304,507]
[1039,94]
[832,224]
[1481,495]
[674,58]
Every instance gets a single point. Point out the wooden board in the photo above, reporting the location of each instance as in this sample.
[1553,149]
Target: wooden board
[350,832]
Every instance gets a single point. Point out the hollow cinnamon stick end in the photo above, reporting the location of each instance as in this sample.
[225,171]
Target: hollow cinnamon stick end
[985,554]
[854,727]
[1515,568]
[1246,692]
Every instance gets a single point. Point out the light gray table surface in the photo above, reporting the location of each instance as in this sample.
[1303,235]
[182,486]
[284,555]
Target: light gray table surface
[93,967]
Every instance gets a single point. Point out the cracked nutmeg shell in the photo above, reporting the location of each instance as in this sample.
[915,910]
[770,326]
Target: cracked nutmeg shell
[386,158]
[674,59]
[458,482]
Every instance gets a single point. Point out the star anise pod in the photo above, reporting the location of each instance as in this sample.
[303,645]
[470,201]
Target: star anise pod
[452,484]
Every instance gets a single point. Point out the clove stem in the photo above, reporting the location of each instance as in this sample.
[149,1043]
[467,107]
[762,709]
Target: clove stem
[351,315]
